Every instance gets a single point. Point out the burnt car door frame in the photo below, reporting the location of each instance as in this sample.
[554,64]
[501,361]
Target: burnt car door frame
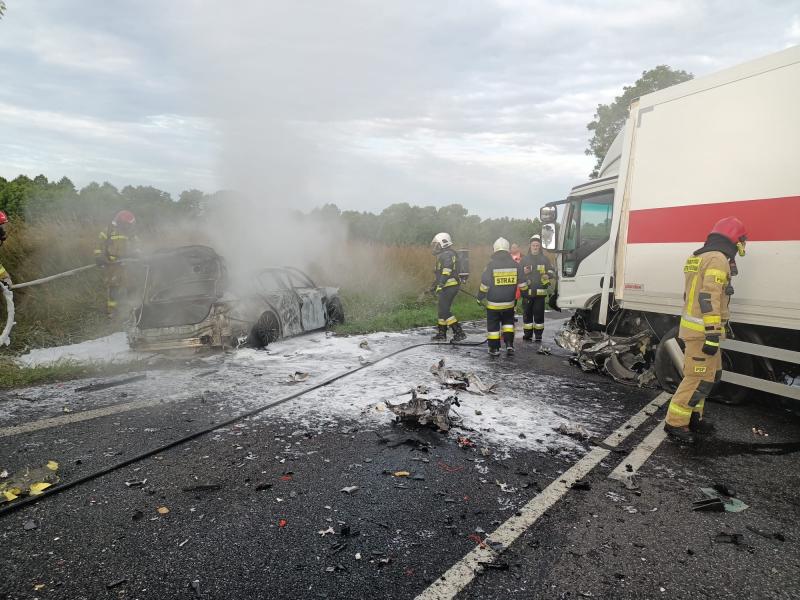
[315,294]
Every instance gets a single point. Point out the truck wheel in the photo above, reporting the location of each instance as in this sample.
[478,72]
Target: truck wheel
[335,312]
[266,330]
[669,376]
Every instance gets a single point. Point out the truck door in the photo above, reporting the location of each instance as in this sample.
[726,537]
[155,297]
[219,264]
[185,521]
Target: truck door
[587,227]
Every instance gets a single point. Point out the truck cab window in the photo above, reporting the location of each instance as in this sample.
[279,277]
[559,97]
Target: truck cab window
[588,228]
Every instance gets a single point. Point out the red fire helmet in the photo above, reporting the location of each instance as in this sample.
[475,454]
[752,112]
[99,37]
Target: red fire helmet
[3,218]
[732,228]
[124,217]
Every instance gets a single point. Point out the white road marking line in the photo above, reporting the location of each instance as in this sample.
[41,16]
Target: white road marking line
[463,572]
[640,454]
[85,415]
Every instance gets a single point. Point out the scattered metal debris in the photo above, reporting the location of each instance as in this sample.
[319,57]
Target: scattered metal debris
[104,385]
[350,489]
[715,500]
[729,538]
[462,380]
[581,485]
[427,411]
[623,358]
[201,487]
[575,430]
[298,377]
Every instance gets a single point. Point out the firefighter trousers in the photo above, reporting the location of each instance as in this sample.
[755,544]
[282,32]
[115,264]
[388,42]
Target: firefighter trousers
[500,322]
[116,284]
[533,317]
[445,303]
[700,373]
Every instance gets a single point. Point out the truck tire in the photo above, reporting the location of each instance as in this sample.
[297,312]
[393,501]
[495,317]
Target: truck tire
[669,377]
[335,312]
[265,331]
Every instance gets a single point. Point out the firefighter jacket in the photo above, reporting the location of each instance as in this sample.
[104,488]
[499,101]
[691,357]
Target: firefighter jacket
[500,281]
[114,245]
[537,279]
[3,272]
[446,270]
[706,297]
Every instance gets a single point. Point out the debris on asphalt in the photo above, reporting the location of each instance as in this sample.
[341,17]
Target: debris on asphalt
[729,503]
[709,505]
[423,439]
[574,430]
[104,385]
[401,474]
[358,556]
[162,510]
[31,481]
[766,534]
[729,538]
[260,487]
[427,411]
[136,482]
[195,587]
[349,489]
[137,515]
[504,487]
[364,345]
[298,377]
[544,350]
[461,380]
[581,485]
[760,431]
[282,523]
[623,358]
[116,583]
[29,525]
[324,532]
[464,442]
[201,487]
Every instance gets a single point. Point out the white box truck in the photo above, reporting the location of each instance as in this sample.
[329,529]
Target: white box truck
[726,144]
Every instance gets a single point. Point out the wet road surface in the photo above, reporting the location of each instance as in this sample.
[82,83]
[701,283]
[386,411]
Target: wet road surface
[256,508]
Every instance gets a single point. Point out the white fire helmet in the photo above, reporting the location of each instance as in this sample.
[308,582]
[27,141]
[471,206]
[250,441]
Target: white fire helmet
[441,241]
[501,244]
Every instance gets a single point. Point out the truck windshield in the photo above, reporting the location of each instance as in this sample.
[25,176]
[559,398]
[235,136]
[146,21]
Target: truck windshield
[588,227]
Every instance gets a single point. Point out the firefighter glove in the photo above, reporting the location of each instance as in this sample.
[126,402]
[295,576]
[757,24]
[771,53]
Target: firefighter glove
[438,289]
[711,345]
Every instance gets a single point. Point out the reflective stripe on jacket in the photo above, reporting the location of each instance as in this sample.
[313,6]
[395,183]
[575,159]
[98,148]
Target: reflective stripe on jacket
[540,266]
[500,281]
[705,309]
[446,268]
[114,245]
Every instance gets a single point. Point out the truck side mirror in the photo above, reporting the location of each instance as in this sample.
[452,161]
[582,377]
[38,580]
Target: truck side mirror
[548,214]
[549,236]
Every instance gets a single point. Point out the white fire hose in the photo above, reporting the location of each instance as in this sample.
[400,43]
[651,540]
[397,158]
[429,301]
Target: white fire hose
[5,336]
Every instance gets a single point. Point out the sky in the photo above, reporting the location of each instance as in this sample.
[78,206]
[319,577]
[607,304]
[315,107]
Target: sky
[358,103]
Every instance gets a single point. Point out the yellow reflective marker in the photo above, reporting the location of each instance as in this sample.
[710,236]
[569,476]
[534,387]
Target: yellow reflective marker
[401,473]
[52,465]
[38,487]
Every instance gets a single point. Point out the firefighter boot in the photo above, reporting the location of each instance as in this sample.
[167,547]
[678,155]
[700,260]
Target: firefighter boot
[458,332]
[700,426]
[680,434]
[441,334]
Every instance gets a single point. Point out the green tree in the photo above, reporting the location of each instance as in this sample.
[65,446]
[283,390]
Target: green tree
[609,118]
[2,8]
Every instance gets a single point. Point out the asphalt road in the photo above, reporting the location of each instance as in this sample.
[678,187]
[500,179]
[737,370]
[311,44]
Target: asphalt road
[269,519]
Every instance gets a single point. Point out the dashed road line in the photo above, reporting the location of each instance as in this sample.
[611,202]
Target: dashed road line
[634,461]
[85,415]
[461,574]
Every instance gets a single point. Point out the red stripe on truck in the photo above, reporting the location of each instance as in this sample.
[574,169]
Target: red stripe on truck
[768,220]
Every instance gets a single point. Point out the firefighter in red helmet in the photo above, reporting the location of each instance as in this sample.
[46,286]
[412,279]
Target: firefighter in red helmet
[115,244]
[5,278]
[707,293]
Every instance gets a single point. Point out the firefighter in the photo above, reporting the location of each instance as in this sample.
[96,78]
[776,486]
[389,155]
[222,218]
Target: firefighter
[446,287]
[499,284]
[5,278]
[117,243]
[538,273]
[707,293]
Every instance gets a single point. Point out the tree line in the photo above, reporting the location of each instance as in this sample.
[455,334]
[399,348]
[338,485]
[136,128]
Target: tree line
[37,199]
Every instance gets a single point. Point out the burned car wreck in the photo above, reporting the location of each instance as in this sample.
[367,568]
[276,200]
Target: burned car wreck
[190,301]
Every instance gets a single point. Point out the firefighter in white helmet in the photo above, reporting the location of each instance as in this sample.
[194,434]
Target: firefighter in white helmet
[498,290]
[446,287]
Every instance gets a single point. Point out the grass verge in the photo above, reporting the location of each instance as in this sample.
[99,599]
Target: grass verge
[365,314]
[14,376]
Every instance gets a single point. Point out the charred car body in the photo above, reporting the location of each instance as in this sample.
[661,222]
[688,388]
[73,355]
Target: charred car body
[189,301]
